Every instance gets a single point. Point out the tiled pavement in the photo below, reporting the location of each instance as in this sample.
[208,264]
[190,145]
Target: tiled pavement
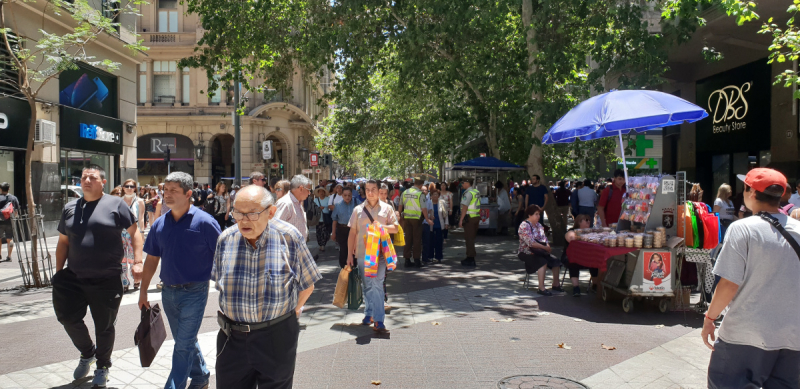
[450,328]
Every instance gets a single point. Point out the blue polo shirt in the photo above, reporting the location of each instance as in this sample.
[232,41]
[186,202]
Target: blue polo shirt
[343,211]
[186,246]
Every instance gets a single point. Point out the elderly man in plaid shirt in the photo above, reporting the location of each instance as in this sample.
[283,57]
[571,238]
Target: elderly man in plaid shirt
[264,273]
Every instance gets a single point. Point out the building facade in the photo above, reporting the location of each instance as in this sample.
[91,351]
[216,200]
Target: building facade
[751,123]
[91,114]
[175,112]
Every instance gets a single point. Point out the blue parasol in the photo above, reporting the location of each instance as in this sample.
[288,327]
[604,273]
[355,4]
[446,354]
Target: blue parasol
[619,112]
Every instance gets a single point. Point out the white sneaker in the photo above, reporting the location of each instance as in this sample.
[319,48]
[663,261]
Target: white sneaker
[83,368]
[100,378]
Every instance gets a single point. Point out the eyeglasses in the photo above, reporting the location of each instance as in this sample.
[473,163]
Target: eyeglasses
[130,186]
[252,216]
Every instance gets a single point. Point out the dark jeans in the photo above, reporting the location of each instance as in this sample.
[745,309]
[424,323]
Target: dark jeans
[221,221]
[184,306]
[590,211]
[435,244]
[71,297]
[748,367]
[262,358]
[412,228]
[342,233]
[575,270]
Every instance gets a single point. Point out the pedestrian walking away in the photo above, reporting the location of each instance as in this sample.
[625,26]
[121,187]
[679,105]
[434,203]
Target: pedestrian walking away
[758,344]
[264,274]
[413,212]
[470,211]
[183,242]
[90,237]
[370,224]
[6,232]
[587,198]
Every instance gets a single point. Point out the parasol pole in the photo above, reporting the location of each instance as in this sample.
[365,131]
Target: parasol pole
[624,165]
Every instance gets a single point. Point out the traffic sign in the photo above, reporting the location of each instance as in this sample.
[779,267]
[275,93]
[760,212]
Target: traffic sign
[318,171]
[258,166]
[307,171]
[274,165]
[313,159]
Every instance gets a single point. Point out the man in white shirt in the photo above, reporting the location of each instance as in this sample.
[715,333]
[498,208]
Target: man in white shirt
[758,344]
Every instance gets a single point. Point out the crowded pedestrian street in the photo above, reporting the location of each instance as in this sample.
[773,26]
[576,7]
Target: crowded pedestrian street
[451,327]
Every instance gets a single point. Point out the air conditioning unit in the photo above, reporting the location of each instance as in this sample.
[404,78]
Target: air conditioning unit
[45,132]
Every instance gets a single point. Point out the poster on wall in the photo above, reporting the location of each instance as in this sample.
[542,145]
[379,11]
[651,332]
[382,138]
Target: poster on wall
[484,217]
[657,271]
[88,89]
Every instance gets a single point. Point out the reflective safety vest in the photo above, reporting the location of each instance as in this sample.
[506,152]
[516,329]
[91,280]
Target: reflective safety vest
[474,207]
[412,203]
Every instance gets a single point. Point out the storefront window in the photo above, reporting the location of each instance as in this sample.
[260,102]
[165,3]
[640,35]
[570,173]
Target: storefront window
[71,166]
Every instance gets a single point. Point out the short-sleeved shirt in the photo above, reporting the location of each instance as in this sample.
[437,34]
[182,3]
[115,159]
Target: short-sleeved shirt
[586,197]
[613,206]
[342,212]
[536,194]
[261,282]
[94,230]
[186,246]
[290,210]
[9,198]
[765,312]
[726,209]
[381,212]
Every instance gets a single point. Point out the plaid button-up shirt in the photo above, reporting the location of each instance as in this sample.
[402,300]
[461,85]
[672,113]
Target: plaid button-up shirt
[261,283]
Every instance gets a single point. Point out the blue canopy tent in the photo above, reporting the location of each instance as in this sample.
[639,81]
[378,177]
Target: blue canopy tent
[619,112]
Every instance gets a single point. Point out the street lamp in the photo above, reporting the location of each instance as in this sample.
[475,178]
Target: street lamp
[302,151]
[199,149]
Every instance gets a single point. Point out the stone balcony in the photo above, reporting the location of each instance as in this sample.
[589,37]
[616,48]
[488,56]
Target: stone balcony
[169,38]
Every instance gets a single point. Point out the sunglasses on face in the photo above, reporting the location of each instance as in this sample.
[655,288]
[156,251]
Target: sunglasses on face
[129,186]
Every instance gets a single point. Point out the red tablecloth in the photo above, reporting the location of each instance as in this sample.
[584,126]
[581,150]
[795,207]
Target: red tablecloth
[592,254]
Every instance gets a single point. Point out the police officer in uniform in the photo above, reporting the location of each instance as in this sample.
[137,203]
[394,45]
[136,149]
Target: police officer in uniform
[470,208]
[412,210]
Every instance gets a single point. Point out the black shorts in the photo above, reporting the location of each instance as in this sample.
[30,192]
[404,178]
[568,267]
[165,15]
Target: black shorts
[5,232]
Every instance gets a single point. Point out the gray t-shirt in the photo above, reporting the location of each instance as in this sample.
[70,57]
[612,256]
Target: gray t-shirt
[94,229]
[765,313]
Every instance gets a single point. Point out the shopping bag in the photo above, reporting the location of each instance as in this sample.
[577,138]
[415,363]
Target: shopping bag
[150,334]
[399,239]
[354,294]
[340,293]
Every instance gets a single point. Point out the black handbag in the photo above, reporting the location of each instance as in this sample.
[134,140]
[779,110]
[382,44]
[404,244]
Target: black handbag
[150,334]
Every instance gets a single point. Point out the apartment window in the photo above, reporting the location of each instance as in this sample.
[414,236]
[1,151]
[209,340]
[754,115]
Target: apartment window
[7,70]
[164,81]
[186,86]
[168,16]
[142,82]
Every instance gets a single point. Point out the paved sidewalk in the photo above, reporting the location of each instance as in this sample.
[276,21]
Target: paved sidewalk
[450,327]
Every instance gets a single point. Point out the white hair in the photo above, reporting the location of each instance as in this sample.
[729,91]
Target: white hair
[300,180]
[266,198]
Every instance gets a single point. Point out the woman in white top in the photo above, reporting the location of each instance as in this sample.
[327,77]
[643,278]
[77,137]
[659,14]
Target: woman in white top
[724,206]
[503,208]
[323,231]
[134,202]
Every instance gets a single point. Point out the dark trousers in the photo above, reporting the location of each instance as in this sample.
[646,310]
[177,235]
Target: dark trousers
[748,367]
[221,221]
[590,211]
[412,228]
[342,233]
[71,296]
[470,232]
[261,359]
[435,243]
[575,270]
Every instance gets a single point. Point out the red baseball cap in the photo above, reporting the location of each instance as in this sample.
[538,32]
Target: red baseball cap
[762,178]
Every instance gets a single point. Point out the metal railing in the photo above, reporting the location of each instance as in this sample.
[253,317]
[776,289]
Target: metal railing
[21,228]
[163,38]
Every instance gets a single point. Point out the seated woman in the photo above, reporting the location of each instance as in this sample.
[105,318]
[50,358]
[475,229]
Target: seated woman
[535,251]
[581,221]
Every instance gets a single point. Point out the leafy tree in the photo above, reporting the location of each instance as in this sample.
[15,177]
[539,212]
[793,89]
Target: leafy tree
[34,63]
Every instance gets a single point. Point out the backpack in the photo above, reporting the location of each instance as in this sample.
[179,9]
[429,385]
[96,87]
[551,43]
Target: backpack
[6,209]
[313,213]
[212,205]
[197,196]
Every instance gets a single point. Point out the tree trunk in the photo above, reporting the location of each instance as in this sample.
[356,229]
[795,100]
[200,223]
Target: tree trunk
[535,162]
[34,227]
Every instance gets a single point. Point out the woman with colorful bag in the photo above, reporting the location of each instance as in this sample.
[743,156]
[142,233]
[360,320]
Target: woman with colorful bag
[370,225]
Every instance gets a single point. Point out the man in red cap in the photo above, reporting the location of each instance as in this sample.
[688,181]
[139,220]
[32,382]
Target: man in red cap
[758,344]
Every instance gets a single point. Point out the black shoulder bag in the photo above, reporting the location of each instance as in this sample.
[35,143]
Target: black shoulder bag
[775,223]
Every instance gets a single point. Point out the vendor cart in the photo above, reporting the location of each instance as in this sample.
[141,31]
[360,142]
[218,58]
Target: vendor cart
[486,171]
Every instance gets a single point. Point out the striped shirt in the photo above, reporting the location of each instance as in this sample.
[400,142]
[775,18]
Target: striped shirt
[261,283]
[290,210]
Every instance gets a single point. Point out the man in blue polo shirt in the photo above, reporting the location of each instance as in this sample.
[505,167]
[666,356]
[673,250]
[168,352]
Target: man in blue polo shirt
[185,239]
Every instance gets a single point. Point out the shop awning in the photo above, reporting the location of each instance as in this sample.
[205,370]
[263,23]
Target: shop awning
[486,164]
